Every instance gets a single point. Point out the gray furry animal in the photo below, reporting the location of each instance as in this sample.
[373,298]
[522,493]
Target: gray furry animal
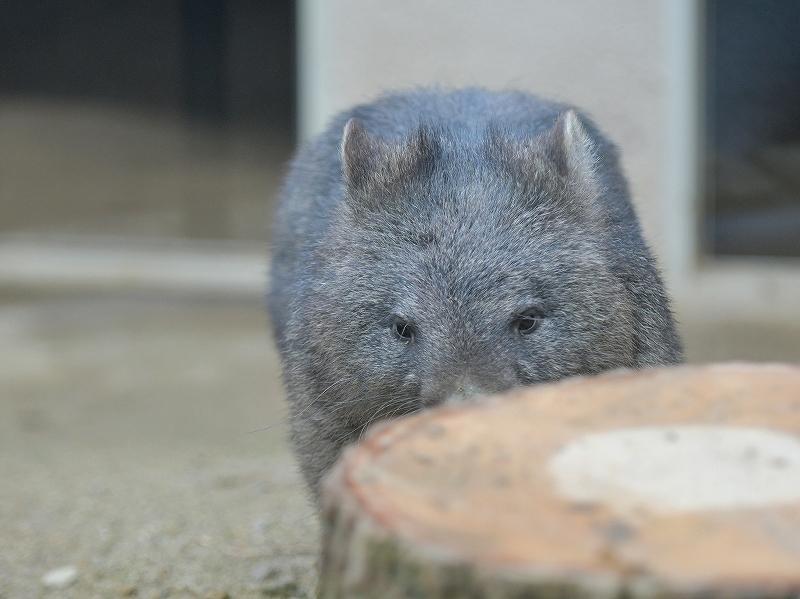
[430,246]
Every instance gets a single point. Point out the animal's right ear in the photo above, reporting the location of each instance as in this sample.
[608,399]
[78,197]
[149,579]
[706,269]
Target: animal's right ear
[371,166]
[361,156]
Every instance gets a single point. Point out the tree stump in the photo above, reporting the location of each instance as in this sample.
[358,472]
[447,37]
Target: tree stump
[675,482]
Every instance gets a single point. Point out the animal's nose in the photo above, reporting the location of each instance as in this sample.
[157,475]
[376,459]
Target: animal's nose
[464,389]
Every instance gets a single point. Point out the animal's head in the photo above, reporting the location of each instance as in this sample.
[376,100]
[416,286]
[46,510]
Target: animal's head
[467,262]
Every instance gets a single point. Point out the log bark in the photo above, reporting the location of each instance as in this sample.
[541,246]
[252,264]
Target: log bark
[675,482]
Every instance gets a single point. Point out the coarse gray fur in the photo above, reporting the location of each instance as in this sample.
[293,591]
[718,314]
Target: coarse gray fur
[457,214]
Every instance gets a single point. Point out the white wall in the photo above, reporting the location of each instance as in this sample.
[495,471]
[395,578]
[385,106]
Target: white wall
[606,57]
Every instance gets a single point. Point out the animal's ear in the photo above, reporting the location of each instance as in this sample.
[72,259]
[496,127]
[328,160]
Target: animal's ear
[569,147]
[361,155]
[558,167]
[372,166]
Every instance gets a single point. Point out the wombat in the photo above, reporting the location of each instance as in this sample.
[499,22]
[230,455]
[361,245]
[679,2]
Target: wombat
[432,246]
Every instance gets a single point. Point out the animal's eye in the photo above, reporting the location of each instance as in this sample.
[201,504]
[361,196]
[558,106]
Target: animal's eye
[528,322]
[403,331]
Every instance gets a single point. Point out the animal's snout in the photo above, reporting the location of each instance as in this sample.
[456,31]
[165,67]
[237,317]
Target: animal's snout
[464,390]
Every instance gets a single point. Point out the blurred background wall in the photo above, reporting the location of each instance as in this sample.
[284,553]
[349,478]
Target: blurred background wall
[610,58]
[162,129]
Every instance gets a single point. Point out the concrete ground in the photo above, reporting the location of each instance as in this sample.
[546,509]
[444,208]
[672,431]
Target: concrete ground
[126,452]
[127,462]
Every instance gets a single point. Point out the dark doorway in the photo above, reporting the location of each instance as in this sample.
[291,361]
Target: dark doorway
[125,110]
[147,53]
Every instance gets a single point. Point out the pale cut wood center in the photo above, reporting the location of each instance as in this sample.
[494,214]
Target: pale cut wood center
[682,468]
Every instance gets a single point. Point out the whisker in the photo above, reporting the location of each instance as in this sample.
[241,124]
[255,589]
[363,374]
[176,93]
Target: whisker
[403,404]
[301,412]
[398,403]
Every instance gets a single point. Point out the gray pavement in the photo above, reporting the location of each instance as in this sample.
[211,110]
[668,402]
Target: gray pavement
[126,449]
[124,452]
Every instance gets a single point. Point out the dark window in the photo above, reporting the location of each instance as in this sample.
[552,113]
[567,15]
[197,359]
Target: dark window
[753,127]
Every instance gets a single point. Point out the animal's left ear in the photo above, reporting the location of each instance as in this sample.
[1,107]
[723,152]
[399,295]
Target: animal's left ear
[569,147]
[563,157]
[558,168]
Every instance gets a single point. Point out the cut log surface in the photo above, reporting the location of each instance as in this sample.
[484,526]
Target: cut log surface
[674,482]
